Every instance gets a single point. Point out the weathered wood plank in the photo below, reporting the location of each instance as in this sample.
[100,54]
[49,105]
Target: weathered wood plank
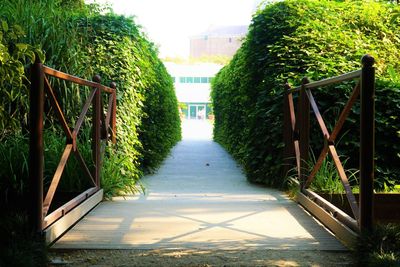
[345,234]
[55,230]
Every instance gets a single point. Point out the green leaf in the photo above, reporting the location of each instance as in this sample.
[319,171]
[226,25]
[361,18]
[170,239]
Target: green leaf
[4,25]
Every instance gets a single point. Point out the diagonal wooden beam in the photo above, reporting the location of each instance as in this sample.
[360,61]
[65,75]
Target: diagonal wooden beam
[81,161]
[345,112]
[318,115]
[330,138]
[298,160]
[83,113]
[57,108]
[325,133]
[109,111]
[103,128]
[292,115]
[56,179]
[343,177]
[316,167]
[291,112]
[114,115]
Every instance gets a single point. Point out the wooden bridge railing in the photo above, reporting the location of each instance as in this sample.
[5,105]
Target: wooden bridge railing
[296,138]
[103,128]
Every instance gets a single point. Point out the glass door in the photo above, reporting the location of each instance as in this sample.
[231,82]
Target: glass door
[201,112]
[197,112]
[192,112]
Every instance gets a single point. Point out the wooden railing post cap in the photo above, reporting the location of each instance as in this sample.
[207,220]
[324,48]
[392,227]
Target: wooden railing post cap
[305,80]
[113,85]
[97,78]
[367,60]
[37,58]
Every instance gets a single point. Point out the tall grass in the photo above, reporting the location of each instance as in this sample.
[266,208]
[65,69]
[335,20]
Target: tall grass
[50,26]
[73,179]
[116,177]
[14,163]
[327,179]
[13,167]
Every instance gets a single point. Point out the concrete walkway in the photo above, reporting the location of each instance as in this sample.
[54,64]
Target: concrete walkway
[200,198]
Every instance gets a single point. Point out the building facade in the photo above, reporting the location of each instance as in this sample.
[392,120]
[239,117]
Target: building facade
[193,86]
[217,41]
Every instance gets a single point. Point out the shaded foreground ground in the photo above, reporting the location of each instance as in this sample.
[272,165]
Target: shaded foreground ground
[257,257]
[199,210]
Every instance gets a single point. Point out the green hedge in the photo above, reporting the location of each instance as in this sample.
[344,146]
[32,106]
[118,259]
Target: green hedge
[319,39]
[83,41]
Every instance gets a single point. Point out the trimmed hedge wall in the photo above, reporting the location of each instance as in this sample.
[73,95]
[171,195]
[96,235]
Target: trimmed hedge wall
[84,40]
[319,39]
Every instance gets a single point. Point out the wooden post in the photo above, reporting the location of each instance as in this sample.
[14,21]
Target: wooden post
[113,85]
[367,143]
[303,127]
[96,132]
[36,157]
[288,151]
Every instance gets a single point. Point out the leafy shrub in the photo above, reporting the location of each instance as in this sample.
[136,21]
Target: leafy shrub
[14,165]
[13,56]
[319,39]
[160,129]
[381,247]
[79,40]
[148,119]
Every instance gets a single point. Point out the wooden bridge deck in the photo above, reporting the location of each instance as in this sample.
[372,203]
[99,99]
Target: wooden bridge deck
[199,198]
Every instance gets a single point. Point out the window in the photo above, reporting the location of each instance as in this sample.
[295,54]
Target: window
[173,79]
[193,79]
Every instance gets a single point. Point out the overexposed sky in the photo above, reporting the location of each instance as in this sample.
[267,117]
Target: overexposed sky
[169,23]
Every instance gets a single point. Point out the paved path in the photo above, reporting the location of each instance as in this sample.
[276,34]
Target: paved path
[200,198]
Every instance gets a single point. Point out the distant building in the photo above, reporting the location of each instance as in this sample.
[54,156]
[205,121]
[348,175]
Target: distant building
[192,87]
[217,41]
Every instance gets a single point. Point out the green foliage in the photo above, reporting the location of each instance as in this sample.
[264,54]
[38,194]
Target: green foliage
[292,39]
[14,167]
[73,178]
[14,162]
[161,125]
[13,90]
[327,180]
[18,246]
[147,117]
[381,247]
[115,179]
[80,40]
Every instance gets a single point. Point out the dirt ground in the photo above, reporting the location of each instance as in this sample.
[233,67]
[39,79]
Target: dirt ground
[203,258]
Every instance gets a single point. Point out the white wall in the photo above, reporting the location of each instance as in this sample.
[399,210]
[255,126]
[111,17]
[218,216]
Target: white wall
[192,92]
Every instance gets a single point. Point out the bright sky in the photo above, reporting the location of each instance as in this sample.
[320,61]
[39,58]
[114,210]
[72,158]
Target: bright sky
[169,23]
